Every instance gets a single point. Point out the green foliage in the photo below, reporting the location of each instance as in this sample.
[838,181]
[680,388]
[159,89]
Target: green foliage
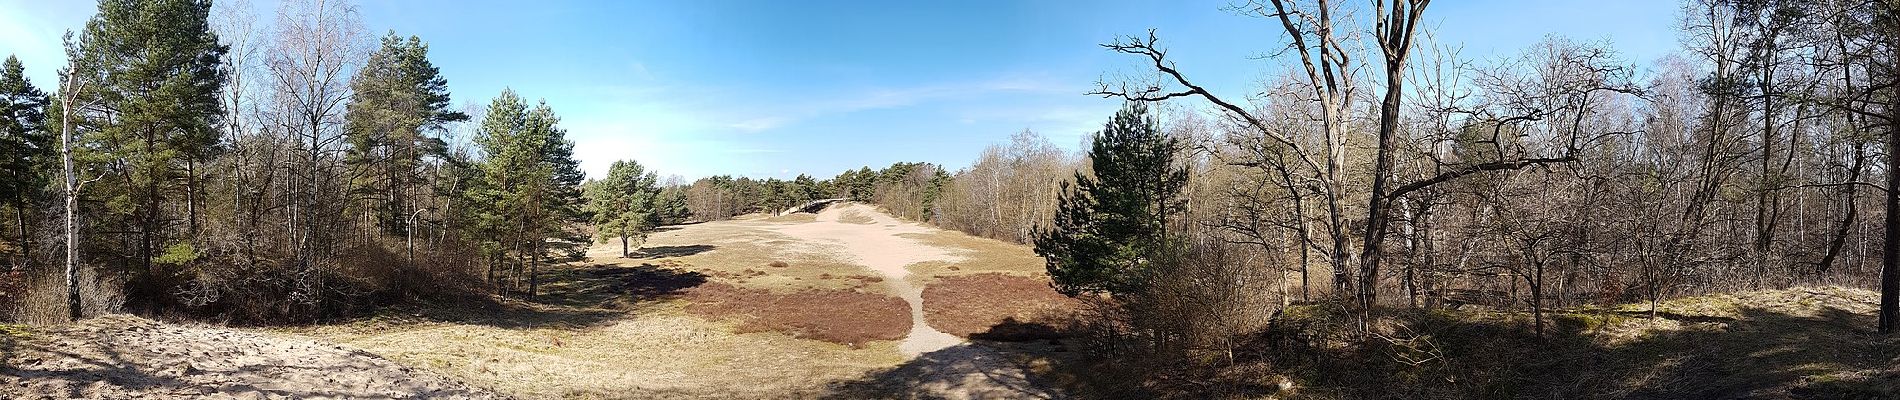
[153,72]
[25,144]
[177,254]
[399,98]
[530,185]
[671,207]
[626,203]
[857,184]
[1110,229]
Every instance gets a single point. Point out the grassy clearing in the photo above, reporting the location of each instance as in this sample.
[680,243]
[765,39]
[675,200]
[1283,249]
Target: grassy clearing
[980,256]
[655,351]
[728,309]
[714,310]
[609,331]
[745,254]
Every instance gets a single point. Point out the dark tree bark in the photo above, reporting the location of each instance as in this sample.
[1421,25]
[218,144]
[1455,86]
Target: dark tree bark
[1396,29]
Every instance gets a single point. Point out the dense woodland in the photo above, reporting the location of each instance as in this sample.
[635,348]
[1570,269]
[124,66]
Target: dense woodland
[194,161]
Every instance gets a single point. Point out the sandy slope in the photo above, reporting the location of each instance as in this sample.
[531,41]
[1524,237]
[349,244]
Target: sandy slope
[123,357]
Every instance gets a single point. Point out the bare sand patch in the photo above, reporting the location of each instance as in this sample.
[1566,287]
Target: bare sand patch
[125,357]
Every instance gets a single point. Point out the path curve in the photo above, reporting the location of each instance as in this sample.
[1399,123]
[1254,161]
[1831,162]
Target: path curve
[874,239]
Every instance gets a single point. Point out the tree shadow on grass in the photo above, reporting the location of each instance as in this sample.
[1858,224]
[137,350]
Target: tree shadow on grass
[656,252]
[575,296]
[616,287]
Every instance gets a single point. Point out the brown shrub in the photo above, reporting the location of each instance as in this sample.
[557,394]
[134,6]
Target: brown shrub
[838,316]
[43,297]
[778,264]
[996,306]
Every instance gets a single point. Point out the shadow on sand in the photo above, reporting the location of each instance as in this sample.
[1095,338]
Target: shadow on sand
[974,370]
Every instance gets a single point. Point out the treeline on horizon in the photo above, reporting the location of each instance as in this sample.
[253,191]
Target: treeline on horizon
[1005,194]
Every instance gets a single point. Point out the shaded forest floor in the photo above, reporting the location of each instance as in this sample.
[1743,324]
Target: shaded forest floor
[1804,343]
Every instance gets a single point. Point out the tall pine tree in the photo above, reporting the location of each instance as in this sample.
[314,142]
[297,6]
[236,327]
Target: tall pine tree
[531,194]
[1111,228]
[25,148]
[154,120]
[400,99]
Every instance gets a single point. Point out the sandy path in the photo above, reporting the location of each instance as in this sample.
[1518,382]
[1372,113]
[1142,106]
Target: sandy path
[942,366]
[869,237]
[124,357]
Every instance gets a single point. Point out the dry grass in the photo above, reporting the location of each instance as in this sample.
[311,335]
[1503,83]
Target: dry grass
[744,254]
[658,351]
[855,217]
[981,256]
[793,218]
[42,299]
[727,309]
[1005,307]
[839,316]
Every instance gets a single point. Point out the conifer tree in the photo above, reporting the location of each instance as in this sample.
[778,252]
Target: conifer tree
[25,147]
[1111,228]
[400,98]
[624,203]
[532,182]
[155,115]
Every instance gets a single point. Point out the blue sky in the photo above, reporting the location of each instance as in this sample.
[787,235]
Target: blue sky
[778,88]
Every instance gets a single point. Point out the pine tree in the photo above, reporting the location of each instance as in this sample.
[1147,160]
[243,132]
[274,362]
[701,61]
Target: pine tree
[1111,228]
[400,98]
[671,207]
[624,204]
[25,147]
[531,193]
[156,113]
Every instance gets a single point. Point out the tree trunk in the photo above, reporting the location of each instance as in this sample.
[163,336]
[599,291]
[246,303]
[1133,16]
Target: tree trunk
[1890,246]
[191,195]
[534,267]
[26,235]
[72,195]
[1369,255]
[1853,213]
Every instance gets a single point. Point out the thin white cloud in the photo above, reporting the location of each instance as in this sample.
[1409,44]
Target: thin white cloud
[799,108]
[759,124]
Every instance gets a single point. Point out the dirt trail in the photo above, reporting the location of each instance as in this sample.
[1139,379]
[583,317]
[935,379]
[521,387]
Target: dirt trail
[943,365]
[124,357]
[872,238]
